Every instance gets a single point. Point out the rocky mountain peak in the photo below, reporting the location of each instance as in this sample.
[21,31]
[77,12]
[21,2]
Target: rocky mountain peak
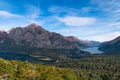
[34,27]
[35,36]
[33,24]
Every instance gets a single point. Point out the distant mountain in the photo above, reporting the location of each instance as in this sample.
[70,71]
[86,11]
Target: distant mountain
[112,46]
[93,43]
[80,43]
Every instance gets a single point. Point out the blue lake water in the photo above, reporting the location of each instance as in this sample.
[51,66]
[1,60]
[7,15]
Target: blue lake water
[93,50]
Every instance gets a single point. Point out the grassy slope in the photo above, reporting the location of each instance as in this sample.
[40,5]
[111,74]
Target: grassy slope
[17,70]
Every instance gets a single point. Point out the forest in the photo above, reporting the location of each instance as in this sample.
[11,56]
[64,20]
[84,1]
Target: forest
[92,67]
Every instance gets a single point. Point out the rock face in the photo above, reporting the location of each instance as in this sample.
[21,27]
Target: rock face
[3,35]
[34,35]
[71,38]
[80,43]
[112,46]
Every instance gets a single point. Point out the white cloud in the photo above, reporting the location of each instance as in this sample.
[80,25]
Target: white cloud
[64,11]
[77,21]
[114,24]
[57,10]
[106,5]
[8,14]
[15,20]
[117,11]
[105,37]
[98,32]
[32,12]
[9,20]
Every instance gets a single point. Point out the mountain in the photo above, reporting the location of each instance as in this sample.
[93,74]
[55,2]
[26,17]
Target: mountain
[35,36]
[3,35]
[36,42]
[80,43]
[71,38]
[112,46]
[93,43]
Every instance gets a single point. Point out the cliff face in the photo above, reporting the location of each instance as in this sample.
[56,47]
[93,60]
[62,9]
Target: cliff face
[3,35]
[35,36]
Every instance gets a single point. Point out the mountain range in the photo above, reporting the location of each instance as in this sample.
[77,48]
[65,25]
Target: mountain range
[34,41]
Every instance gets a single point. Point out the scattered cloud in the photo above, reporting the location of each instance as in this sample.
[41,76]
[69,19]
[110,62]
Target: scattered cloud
[13,20]
[8,14]
[96,20]
[64,11]
[105,37]
[99,32]
[106,5]
[85,9]
[117,11]
[57,10]
[77,21]
[110,8]
[32,12]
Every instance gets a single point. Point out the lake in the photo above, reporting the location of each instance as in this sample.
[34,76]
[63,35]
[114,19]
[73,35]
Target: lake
[93,50]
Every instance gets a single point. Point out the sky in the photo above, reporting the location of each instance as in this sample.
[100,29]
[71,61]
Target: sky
[97,20]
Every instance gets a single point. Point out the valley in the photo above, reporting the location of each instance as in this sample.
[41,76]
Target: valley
[92,67]
[59,39]
[80,59]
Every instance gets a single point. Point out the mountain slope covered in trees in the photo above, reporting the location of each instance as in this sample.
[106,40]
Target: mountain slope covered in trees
[112,46]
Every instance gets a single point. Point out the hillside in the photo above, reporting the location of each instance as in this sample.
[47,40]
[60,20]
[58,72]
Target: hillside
[94,67]
[17,70]
[112,46]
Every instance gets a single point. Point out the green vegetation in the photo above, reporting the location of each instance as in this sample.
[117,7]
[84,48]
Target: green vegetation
[92,67]
[17,70]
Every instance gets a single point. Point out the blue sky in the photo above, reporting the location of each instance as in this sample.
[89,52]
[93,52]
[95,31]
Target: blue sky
[86,19]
